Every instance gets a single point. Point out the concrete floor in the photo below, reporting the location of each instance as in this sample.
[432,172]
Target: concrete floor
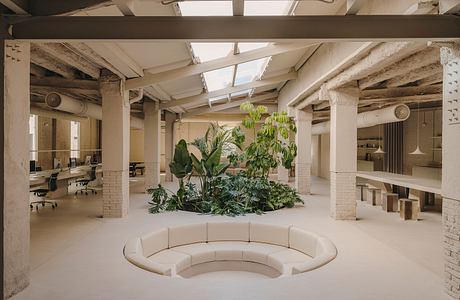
[77,255]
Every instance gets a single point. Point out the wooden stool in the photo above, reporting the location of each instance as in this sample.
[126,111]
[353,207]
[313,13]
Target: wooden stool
[372,195]
[408,209]
[389,202]
[361,186]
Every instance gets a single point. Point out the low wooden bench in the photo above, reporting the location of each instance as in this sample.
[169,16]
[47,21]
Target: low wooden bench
[408,209]
[389,202]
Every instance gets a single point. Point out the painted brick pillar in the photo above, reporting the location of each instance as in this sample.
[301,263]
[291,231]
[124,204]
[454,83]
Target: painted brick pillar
[15,165]
[115,146]
[303,159]
[450,58]
[170,118]
[152,142]
[343,141]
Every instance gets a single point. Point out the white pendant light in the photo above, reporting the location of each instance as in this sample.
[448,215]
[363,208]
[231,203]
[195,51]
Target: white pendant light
[379,150]
[417,150]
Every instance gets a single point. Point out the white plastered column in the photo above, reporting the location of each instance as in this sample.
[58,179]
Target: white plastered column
[152,143]
[115,146]
[343,141]
[450,58]
[303,159]
[16,109]
[170,118]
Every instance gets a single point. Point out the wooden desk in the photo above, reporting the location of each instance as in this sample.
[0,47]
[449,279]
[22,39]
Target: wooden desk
[418,186]
[41,178]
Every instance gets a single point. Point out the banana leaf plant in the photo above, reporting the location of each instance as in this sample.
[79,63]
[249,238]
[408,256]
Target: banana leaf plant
[181,167]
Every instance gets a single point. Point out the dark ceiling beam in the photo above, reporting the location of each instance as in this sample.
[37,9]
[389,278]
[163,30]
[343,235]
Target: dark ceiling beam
[49,7]
[239,28]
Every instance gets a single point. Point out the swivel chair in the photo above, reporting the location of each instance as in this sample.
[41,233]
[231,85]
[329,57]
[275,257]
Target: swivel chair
[43,192]
[86,181]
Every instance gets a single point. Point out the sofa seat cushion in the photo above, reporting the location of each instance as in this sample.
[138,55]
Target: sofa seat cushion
[177,261]
[200,252]
[258,252]
[284,260]
[228,250]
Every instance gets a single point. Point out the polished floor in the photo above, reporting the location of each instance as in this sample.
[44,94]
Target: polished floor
[75,254]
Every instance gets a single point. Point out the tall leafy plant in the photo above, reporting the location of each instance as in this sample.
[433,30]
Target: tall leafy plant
[181,167]
[271,146]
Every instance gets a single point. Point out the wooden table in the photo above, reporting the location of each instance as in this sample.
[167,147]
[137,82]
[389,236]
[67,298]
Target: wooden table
[417,186]
[40,178]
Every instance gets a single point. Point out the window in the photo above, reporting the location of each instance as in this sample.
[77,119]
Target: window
[75,139]
[33,137]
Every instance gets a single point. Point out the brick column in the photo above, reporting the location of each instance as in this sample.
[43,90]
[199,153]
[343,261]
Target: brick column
[115,146]
[450,58]
[170,119]
[303,160]
[15,100]
[344,110]
[152,133]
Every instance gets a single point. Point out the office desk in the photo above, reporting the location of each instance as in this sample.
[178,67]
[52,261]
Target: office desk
[40,178]
[417,186]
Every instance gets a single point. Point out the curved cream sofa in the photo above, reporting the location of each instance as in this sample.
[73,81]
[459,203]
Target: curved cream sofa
[287,249]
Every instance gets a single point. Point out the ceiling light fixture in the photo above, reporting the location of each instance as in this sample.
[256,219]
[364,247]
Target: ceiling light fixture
[417,150]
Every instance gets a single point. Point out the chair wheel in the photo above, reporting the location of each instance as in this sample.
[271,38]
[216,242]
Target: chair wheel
[55,204]
[52,205]
[76,193]
[86,193]
[95,192]
[43,204]
[36,208]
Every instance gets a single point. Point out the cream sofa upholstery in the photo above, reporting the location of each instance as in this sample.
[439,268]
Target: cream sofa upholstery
[287,249]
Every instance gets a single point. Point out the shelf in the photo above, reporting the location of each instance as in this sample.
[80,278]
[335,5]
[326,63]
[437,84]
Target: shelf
[367,148]
[437,149]
[437,137]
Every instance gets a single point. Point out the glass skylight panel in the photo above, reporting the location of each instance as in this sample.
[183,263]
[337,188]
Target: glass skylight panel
[244,47]
[219,79]
[206,8]
[250,71]
[209,51]
[267,8]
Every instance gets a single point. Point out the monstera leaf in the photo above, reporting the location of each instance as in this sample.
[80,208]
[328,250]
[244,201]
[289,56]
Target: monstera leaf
[181,165]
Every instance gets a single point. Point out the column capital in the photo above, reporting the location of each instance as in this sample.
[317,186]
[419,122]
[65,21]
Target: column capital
[304,115]
[448,51]
[110,83]
[341,96]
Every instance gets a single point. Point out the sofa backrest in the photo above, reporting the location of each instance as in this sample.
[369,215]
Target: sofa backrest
[228,231]
[154,242]
[187,234]
[303,241]
[268,233]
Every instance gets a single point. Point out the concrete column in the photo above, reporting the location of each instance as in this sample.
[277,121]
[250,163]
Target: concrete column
[152,133]
[344,110]
[15,165]
[303,159]
[450,58]
[115,146]
[315,155]
[170,118]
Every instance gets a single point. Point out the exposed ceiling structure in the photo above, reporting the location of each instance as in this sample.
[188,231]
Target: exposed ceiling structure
[193,78]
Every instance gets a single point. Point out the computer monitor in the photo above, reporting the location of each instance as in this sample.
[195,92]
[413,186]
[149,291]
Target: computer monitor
[88,160]
[72,162]
[33,165]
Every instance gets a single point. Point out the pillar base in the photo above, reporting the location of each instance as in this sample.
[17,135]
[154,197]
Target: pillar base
[115,194]
[151,175]
[303,178]
[343,195]
[451,232]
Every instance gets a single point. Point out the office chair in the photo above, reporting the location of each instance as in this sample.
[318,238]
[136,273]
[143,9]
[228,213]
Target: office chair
[43,192]
[84,182]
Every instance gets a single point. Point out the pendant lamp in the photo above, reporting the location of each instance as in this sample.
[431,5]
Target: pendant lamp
[379,150]
[417,150]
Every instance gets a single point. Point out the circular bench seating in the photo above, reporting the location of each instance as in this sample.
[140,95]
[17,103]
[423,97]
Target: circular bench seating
[287,249]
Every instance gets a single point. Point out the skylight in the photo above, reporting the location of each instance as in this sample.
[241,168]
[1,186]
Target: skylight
[206,8]
[241,73]
[219,79]
[267,8]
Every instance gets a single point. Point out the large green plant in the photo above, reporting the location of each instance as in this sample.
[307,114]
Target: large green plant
[271,146]
[181,167]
